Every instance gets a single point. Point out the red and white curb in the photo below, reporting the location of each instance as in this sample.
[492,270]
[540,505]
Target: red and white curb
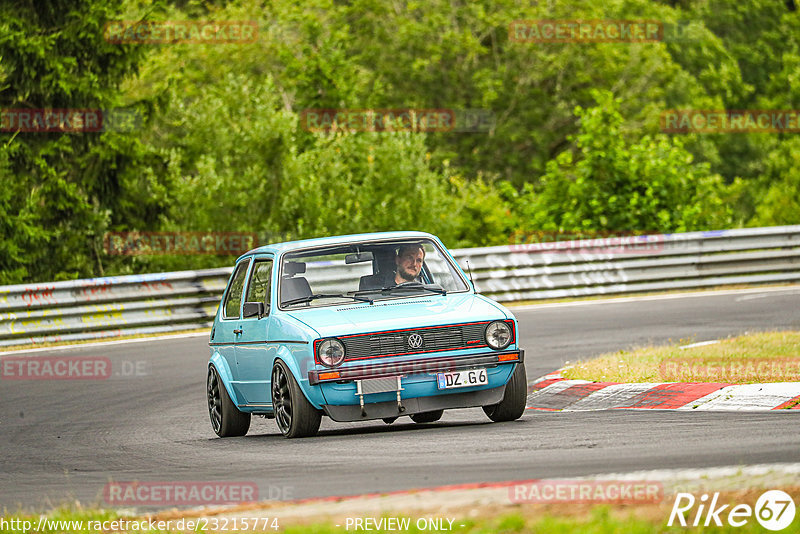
[554,393]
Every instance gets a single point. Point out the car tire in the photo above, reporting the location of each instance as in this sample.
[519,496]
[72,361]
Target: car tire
[226,419]
[427,417]
[513,404]
[296,417]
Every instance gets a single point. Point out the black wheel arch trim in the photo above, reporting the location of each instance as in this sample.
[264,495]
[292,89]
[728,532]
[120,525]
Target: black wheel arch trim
[228,387]
[297,379]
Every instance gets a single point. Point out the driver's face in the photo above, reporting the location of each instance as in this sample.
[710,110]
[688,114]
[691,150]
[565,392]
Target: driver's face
[409,264]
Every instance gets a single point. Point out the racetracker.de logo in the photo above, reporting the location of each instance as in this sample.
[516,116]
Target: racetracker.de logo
[154,243]
[181,32]
[690,369]
[70,120]
[178,493]
[585,31]
[398,120]
[51,120]
[378,120]
[55,368]
[586,242]
[730,121]
[587,491]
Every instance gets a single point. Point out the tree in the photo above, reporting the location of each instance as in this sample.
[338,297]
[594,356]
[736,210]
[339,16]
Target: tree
[61,190]
[613,185]
[779,201]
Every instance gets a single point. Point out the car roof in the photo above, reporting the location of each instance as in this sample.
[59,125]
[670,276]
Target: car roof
[279,248]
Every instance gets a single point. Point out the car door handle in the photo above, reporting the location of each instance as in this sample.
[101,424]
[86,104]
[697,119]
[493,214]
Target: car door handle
[237,330]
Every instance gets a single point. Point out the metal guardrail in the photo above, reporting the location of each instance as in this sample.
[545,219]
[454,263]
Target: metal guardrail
[636,263]
[163,302]
[109,307]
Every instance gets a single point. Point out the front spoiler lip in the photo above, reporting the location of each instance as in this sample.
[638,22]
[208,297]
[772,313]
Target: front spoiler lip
[438,364]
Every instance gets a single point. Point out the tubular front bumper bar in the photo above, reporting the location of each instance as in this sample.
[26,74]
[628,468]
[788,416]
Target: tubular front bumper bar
[437,364]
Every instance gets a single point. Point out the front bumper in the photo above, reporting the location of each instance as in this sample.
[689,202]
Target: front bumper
[438,364]
[380,410]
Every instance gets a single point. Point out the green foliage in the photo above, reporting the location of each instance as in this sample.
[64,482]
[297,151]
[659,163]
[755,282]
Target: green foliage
[441,54]
[482,213]
[59,191]
[242,162]
[223,147]
[615,185]
[780,186]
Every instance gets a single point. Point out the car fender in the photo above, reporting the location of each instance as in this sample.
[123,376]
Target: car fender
[497,305]
[224,372]
[312,393]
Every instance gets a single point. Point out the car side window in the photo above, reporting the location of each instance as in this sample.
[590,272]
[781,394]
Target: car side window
[258,289]
[233,298]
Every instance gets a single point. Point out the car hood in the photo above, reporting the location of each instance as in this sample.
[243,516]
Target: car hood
[430,310]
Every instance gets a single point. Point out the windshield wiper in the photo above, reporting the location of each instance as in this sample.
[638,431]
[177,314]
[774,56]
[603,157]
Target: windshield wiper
[406,285]
[309,298]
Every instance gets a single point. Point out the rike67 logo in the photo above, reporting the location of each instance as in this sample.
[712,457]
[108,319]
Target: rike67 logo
[774,510]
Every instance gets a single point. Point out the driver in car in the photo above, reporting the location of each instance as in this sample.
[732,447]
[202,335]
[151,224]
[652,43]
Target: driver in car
[407,267]
[409,263]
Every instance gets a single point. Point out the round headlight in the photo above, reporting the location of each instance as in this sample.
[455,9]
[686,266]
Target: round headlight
[498,335]
[331,352]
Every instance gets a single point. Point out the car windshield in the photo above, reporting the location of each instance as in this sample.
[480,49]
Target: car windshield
[366,272]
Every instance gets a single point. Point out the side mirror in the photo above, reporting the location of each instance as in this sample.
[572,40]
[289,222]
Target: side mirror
[252,309]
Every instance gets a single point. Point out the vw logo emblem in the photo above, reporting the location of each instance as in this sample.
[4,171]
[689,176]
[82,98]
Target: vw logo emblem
[415,341]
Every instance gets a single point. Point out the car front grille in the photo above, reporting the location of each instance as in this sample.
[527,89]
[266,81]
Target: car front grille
[395,343]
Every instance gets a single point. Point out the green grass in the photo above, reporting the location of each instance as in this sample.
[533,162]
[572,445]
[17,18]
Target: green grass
[754,358]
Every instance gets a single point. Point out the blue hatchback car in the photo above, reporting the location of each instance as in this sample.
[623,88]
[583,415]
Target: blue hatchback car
[359,327]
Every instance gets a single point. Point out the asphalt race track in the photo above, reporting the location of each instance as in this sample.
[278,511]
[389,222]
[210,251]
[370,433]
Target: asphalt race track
[64,440]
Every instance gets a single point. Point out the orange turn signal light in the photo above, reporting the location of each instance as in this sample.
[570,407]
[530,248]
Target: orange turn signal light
[329,376]
[504,358]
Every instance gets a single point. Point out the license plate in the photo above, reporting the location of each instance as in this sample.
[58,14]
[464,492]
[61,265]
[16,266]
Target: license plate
[462,379]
